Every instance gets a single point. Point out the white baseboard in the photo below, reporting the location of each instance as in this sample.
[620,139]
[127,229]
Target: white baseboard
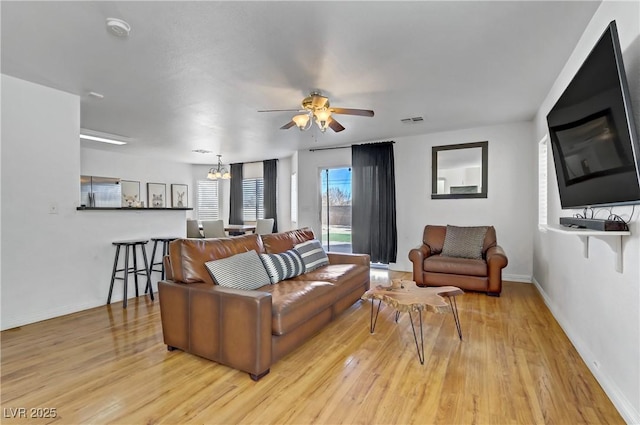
[517,278]
[625,408]
[21,320]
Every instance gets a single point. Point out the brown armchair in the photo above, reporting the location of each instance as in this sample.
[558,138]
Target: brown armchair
[431,268]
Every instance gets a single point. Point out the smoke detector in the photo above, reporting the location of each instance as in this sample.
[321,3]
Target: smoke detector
[118,27]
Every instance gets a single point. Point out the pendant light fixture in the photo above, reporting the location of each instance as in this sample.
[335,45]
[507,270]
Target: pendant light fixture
[218,172]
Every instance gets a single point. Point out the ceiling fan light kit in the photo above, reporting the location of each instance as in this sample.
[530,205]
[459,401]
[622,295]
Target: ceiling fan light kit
[218,172]
[316,107]
[303,121]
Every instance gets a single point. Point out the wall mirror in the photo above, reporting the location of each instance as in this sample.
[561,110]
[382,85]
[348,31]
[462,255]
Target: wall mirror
[459,171]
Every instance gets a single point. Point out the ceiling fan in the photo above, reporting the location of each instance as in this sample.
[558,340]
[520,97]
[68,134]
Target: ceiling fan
[315,107]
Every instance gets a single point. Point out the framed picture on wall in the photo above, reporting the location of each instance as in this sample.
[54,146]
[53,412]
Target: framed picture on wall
[130,191]
[179,196]
[157,195]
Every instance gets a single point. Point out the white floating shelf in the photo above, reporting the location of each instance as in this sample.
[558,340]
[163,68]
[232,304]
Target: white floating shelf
[613,239]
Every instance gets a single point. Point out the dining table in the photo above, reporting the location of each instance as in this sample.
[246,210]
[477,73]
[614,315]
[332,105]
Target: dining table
[239,228]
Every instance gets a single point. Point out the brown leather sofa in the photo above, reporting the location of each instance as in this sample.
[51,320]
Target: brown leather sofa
[251,330]
[430,268]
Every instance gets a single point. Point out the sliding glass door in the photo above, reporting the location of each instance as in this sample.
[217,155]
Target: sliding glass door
[335,188]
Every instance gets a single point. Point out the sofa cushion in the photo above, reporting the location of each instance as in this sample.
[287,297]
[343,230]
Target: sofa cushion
[240,271]
[345,277]
[275,243]
[453,265]
[312,254]
[464,242]
[293,302]
[188,256]
[282,266]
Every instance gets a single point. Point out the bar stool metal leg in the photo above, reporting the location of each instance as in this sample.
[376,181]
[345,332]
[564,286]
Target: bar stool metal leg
[135,268]
[148,286]
[153,258]
[126,276]
[113,274]
[165,251]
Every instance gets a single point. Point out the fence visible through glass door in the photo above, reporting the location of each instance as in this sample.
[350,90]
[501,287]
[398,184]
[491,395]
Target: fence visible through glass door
[335,186]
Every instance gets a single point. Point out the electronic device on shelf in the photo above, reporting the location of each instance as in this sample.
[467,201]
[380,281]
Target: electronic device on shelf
[594,224]
[593,135]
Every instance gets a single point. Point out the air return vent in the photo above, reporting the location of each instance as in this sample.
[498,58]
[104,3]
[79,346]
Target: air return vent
[413,120]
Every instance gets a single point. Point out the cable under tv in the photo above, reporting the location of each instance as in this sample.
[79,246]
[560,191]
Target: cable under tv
[594,224]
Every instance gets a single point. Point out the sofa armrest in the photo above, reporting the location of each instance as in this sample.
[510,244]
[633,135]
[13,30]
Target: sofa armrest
[229,326]
[496,261]
[168,272]
[417,256]
[344,258]
[496,257]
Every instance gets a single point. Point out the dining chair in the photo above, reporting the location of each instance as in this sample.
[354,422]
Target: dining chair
[193,230]
[264,226]
[213,229]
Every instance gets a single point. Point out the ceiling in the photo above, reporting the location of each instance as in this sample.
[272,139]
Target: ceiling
[192,75]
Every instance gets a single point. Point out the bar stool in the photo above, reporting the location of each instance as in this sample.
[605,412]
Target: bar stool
[165,251]
[128,270]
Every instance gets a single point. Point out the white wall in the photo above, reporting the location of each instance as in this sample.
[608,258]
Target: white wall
[598,308]
[54,264]
[510,206]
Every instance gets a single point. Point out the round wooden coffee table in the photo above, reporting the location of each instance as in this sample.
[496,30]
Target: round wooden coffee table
[406,296]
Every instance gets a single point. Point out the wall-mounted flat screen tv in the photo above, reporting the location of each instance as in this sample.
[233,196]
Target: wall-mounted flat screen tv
[593,135]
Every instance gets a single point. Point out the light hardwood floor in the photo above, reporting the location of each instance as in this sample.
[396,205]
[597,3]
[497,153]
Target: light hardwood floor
[109,365]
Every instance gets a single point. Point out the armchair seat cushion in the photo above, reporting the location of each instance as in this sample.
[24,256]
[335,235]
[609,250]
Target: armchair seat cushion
[454,265]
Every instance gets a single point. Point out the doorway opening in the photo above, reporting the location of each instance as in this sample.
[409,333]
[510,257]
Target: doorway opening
[335,184]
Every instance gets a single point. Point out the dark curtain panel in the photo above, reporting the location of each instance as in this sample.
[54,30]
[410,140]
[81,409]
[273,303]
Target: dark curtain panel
[373,220]
[235,196]
[270,178]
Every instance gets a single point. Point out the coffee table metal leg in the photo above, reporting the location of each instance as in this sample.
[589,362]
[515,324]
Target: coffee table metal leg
[420,349]
[372,321]
[454,311]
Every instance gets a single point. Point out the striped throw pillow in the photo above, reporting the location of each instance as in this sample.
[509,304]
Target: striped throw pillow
[282,266]
[240,271]
[312,254]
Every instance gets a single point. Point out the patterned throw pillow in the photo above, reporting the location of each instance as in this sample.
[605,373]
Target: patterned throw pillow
[282,266]
[312,254]
[464,242]
[240,271]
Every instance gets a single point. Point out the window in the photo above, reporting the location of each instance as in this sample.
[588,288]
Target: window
[542,183]
[208,200]
[252,199]
[294,198]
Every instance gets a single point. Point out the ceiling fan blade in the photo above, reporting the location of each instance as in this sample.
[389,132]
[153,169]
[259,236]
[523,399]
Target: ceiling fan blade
[349,111]
[282,110]
[335,125]
[288,125]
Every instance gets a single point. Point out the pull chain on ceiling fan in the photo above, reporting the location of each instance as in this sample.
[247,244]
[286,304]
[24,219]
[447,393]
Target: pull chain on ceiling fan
[316,108]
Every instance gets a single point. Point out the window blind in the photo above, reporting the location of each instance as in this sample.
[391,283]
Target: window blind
[207,202]
[252,199]
[542,183]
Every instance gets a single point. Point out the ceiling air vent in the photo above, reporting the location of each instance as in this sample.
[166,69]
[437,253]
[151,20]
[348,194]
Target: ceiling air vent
[413,120]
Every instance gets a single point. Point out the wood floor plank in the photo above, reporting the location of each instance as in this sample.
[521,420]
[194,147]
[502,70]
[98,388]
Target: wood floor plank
[109,365]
